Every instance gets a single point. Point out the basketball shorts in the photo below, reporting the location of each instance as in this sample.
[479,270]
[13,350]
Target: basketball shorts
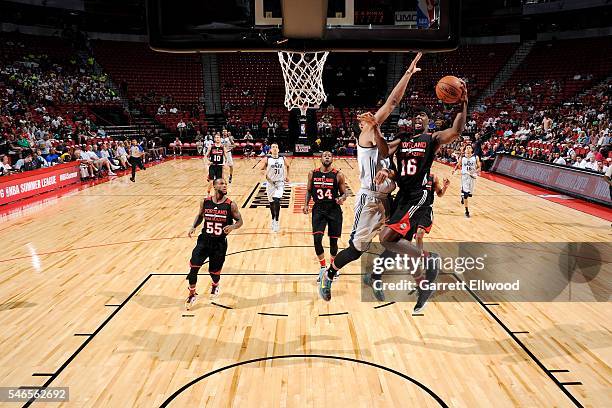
[370,214]
[215,171]
[274,189]
[467,185]
[229,159]
[421,219]
[329,216]
[404,207]
[212,249]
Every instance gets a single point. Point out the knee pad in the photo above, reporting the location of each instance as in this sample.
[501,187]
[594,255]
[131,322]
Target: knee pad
[318,243]
[192,277]
[333,246]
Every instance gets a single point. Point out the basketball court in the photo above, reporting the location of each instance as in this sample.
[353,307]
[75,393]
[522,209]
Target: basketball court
[93,285]
[99,309]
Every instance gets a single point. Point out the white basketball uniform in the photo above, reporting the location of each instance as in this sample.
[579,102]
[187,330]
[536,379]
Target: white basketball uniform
[207,144]
[275,177]
[228,149]
[468,175]
[372,200]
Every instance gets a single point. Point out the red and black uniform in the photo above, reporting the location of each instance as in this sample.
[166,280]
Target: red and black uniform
[423,216]
[217,158]
[414,157]
[326,211]
[212,242]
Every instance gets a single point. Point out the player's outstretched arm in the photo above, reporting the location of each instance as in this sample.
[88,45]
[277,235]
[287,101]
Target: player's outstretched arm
[198,220]
[342,188]
[478,165]
[237,217]
[306,207]
[398,92]
[447,136]
[381,143]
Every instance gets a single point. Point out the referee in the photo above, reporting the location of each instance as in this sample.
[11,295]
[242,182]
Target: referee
[135,159]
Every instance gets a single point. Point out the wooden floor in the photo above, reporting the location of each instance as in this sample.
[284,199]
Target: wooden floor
[92,289]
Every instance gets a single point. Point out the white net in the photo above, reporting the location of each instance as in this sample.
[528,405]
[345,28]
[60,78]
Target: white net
[303,74]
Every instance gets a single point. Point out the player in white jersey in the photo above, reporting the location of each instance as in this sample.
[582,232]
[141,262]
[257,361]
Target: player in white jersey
[470,168]
[371,203]
[277,174]
[228,143]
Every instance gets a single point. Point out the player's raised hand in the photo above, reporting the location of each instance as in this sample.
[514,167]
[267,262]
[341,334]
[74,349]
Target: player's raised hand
[381,176]
[413,69]
[228,228]
[464,93]
[368,117]
[306,209]
[192,231]
[340,200]
[445,182]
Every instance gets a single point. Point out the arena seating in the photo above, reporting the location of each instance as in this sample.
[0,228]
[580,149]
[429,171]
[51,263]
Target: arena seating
[178,76]
[551,70]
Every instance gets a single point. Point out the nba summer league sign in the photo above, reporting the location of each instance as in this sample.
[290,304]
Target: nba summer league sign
[493,272]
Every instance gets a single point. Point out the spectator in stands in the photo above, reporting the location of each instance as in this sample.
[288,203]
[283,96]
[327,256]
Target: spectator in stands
[105,155]
[25,164]
[38,160]
[265,150]
[177,145]
[559,160]
[181,127]
[52,158]
[579,163]
[248,136]
[173,110]
[161,110]
[94,162]
[121,154]
[5,167]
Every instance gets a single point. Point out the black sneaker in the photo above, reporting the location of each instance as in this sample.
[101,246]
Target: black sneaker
[467,214]
[431,274]
[132,179]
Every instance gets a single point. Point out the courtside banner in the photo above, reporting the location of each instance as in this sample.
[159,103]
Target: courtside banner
[24,185]
[568,180]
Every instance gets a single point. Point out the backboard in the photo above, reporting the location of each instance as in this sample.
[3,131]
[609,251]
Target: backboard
[257,25]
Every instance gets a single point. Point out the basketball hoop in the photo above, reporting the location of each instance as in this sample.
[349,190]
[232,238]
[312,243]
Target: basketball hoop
[303,75]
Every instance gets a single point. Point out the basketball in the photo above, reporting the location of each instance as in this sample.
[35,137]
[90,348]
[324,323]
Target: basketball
[448,89]
[272,202]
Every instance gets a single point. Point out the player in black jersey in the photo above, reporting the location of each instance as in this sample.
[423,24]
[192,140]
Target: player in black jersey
[216,156]
[327,187]
[414,155]
[218,214]
[422,219]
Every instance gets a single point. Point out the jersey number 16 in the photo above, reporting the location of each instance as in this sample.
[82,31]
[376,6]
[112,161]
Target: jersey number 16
[409,167]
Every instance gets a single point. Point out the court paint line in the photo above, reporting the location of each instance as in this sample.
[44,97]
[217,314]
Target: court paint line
[272,314]
[223,306]
[333,314]
[42,374]
[250,195]
[240,363]
[87,341]
[559,371]
[522,345]
[385,305]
